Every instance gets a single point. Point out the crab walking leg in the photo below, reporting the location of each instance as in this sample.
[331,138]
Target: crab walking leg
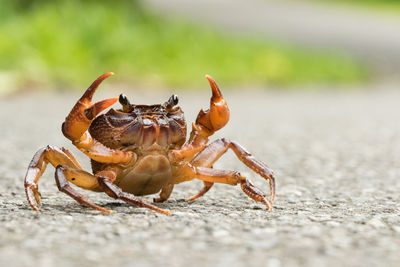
[72,157]
[165,193]
[115,192]
[233,178]
[206,187]
[225,177]
[216,149]
[78,121]
[50,154]
[202,159]
[80,178]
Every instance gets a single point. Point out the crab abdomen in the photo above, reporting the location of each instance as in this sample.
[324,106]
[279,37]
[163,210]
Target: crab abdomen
[148,176]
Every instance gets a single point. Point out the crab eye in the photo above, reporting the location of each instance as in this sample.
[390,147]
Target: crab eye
[123,100]
[126,105]
[175,99]
[172,101]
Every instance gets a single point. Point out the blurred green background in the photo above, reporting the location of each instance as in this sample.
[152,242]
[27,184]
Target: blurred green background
[384,5]
[62,44]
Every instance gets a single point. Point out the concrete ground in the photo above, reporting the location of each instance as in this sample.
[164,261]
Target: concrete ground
[336,158]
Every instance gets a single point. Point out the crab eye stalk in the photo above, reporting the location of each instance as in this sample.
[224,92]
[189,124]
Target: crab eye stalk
[172,101]
[126,105]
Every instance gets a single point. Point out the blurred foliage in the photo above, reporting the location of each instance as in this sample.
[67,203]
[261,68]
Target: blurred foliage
[392,6]
[68,43]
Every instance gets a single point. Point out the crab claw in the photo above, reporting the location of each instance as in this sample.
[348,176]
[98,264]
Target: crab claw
[218,115]
[84,111]
[98,107]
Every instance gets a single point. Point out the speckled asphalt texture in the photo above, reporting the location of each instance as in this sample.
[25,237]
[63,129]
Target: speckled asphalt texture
[337,163]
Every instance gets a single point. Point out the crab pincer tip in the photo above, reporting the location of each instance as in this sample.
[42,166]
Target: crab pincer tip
[92,88]
[104,76]
[214,87]
[210,79]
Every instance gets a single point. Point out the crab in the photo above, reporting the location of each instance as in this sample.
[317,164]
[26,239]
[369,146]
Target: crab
[141,150]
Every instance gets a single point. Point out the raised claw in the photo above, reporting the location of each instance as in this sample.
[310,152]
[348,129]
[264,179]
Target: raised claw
[217,116]
[84,111]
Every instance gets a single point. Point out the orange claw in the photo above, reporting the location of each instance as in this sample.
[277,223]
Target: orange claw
[218,115]
[207,122]
[92,89]
[82,114]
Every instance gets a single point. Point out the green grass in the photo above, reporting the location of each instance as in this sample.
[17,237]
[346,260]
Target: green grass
[65,44]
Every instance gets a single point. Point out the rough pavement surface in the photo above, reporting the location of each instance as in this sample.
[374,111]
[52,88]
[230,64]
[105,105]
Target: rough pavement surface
[336,157]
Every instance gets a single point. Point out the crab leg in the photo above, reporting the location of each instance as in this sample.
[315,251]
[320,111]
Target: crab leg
[233,178]
[216,149]
[207,122]
[80,178]
[115,192]
[72,157]
[78,121]
[165,193]
[206,187]
[210,175]
[37,166]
